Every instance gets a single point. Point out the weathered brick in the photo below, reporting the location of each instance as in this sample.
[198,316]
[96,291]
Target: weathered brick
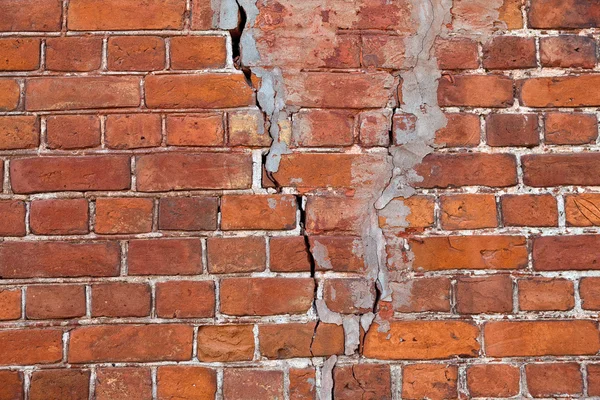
[11,385]
[90,15]
[12,214]
[82,92]
[566,128]
[266,296]
[202,14]
[421,295]
[567,14]
[243,383]
[130,343]
[136,53]
[469,252]
[325,214]
[323,128]
[205,129]
[336,253]
[541,338]
[374,128]
[546,294]
[133,131]
[198,52]
[302,384]
[187,213]
[165,257]
[349,296]
[493,380]
[22,54]
[593,371]
[512,130]
[247,128]
[78,54]
[469,211]
[66,132]
[289,254]
[123,215]
[128,383]
[59,217]
[589,290]
[484,295]
[225,343]
[456,53]
[17,345]
[186,382]
[10,304]
[383,51]
[566,91]
[280,341]
[165,172]
[198,91]
[568,51]
[30,15]
[548,380]
[476,91]
[422,340]
[185,299]
[228,255]
[509,52]
[555,253]
[121,299]
[55,301]
[581,169]
[19,132]
[362,380]
[429,381]
[529,210]
[9,94]
[582,209]
[247,212]
[68,384]
[421,213]
[56,259]
[461,130]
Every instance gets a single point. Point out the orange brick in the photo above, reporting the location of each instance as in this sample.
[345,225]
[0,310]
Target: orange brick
[66,132]
[186,382]
[412,212]
[19,54]
[546,294]
[59,384]
[244,383]
[55,301]
[461,130]
[59,217]
[430,381]
[226,343]
[473,295]
[185,299]
[126,383]
[246,212]
[281,341]
[19,132]
[476,91]
[589,289]
[566,128]
[421,295]
[198,52]
[165,257]
[469,211]
[458,53]
[493,380]
[354,381]
[204,129]
[529,210]
[11,385]
[133,131]
[349,296]
[228,255]
[77,54]
[289,254]
[123,215]
[582,209]
[136,53]
[121,299]
[19,342]
[30,15]
[9,94]
[556,253]
[566,91]
[549,380]
[323,128]
[509,52]
[10,304]
[12,214]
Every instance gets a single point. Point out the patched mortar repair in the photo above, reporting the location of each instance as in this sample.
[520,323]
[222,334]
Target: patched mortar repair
[299,200]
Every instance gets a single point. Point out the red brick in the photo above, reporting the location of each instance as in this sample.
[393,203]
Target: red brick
[198,91]
[19,54]
[421,295]
[374,128]
[133,131]
[529,210]
[484,295]
[337,253]
[589,290]
[123,215]
[362,381]
[10,305]
[136,53]
[468,211]
[280,341]
[383,51]
[565,128]
[457,53]
[121,299]
[485,17]
[566,91]
[228,255]
[240,384]
[266,296]
[55,301]
[493,380]
[17,345]
[126,383]
[469,252]
[302,384]
[448,170]
[331,90]
[226,343]
[66,132]
[84,92]
[429,381]
[30,15]
[19,132]
[349,296]
[188,213]
[79,54]
[421,213]
[422,340]
[334,214]
[540,338]
[67,384]
[11,385]
[59,217]
[90,15]
[289,254]
[555,14]
[509,52]
[580,169]
[165,257]
[582,209]
[548,380]
[55,259]
[185,299]
[593,371]
[164,172]
[9,94]
[247,128]
[546,294]
[568,51]
[12,214]
[323,128]
[246,212]
[130,343]
[198,52]
[186,382]
[461,130]
[512,130]
[204,129]
[476,91]
[202,15]
[556,253]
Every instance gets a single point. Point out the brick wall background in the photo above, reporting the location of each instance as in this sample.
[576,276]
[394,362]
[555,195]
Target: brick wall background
[342,199]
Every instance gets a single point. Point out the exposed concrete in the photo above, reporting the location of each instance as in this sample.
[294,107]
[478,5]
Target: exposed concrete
[326,389]
[351,325]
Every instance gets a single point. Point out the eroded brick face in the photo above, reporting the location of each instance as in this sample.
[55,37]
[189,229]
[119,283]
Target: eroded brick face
[336,199]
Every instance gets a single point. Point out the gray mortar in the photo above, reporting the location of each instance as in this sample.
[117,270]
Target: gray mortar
[326,389]
[351,324]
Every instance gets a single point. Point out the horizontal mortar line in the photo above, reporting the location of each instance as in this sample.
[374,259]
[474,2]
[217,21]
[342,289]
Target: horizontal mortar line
[154,32]
[102,73]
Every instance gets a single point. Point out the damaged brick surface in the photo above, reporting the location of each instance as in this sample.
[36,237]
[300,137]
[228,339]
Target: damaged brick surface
[260,199]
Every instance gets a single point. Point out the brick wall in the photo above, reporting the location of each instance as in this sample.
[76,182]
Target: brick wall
[364,199]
